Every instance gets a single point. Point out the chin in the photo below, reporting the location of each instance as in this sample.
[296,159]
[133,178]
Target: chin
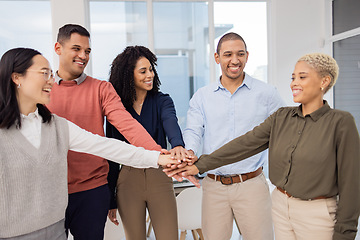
[44,102]
[296,100]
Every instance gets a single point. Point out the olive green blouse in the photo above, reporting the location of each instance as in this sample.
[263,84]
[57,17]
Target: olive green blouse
[311,156]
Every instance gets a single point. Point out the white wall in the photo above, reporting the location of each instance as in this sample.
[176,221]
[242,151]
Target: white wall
[297,27]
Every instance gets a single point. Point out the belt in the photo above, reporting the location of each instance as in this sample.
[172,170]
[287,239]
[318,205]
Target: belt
[289,195]
[228,180]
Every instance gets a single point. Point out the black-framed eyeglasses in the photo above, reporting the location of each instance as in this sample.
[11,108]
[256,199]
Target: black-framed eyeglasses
[47,73]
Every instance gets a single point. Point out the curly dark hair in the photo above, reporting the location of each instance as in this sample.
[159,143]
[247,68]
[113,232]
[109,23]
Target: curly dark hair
[122,73]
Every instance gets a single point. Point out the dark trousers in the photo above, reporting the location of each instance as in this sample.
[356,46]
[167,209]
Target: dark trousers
[86,213]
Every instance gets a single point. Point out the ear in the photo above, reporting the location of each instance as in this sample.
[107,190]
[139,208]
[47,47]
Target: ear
[57,48]
[15,77]
[325,81]
[216,56]
[247,55]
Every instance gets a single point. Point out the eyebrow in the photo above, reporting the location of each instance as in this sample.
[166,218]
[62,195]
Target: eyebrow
[75,45]
[300,73]
[242,51]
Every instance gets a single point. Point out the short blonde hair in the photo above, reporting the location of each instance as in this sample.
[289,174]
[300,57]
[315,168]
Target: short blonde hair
[324,65]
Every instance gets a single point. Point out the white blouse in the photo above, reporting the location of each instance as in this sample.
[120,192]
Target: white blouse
[81,140]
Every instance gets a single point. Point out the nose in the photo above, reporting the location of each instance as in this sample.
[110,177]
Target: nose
[235,59]
[150,74]
[51,80]
[293,81]
[82,55]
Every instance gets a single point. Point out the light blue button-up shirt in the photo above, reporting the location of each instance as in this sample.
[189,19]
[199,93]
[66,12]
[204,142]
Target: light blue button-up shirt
[216,116]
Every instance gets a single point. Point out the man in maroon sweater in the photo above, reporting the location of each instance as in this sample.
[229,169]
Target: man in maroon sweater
[86,101]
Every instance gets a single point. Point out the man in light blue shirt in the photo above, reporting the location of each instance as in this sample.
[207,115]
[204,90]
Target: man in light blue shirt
[219,113]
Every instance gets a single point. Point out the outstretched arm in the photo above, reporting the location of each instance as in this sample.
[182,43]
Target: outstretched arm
[81,140]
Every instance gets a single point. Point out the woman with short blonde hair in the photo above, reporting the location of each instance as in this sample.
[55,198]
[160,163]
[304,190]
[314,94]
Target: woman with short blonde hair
[314,158]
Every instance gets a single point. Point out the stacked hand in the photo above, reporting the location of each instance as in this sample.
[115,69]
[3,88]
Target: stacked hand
[184,165]
[178,163]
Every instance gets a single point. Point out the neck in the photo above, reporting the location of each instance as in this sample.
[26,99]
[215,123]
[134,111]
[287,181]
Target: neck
[26,106]
[26,109]
[65,75]
[232,84]
[140,96]
[309,108]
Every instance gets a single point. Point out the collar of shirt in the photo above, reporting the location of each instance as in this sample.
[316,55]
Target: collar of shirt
[247,82]
[77,80]
[31,128]
[316,115]
[33,115]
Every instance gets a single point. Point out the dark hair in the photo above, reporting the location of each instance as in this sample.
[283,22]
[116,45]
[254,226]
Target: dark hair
[68,29]
[227,37]
[16,60]
[122,73]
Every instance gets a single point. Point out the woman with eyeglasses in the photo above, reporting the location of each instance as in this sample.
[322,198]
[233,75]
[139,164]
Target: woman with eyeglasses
[33,150]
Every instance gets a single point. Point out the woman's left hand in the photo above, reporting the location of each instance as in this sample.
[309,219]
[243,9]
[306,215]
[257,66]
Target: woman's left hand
[180,153]
[112,216]
[165,160]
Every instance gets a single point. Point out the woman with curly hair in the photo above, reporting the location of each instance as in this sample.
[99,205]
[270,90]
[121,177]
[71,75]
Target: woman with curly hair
[135,79]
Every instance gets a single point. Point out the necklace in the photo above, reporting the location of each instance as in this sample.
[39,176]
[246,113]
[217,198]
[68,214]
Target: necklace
[140,104]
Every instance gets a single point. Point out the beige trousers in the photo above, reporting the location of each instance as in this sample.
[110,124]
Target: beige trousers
[248,202]
[296,219]
[138,189]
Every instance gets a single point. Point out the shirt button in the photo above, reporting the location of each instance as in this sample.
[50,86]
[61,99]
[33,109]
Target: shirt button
[290,161]
[299,132]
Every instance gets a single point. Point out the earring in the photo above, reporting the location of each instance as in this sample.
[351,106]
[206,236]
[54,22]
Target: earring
[18,85]
[322,89]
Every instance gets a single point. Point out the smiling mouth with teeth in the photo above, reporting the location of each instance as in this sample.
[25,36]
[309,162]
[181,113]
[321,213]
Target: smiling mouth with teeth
[47,89]
[82,63]
[234,67]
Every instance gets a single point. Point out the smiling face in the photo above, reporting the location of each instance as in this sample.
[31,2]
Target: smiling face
[143,75]
[74,54]
[306,84]
[232,58]
[33,88]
